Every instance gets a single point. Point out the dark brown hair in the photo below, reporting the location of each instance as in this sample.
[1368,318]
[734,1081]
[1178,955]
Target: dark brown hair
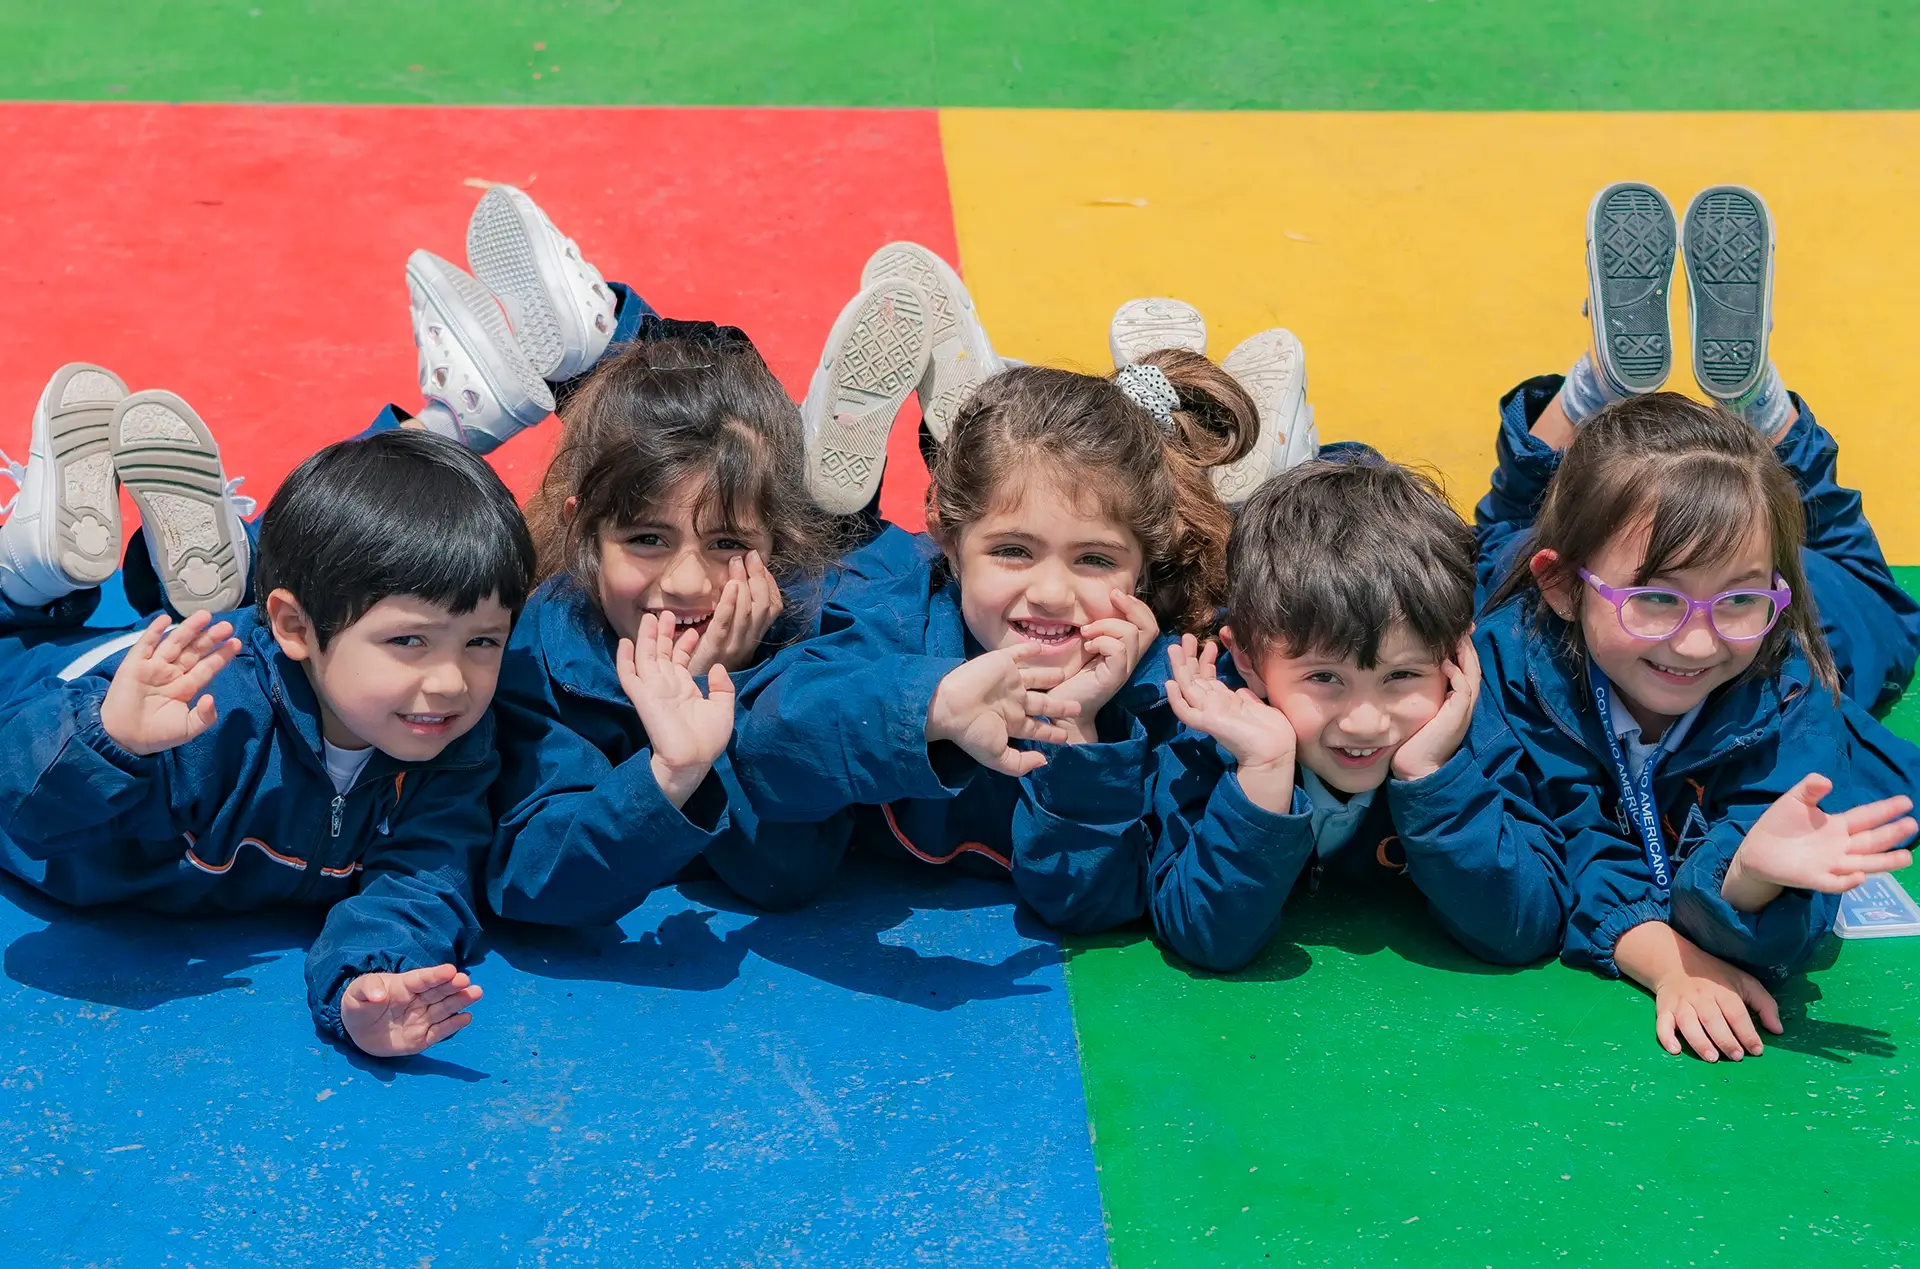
[1700,479]
[657,414]
[1331,555]
[1088,435]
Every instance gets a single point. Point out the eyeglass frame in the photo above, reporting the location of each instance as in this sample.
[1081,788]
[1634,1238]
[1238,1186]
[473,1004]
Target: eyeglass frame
[1781,597]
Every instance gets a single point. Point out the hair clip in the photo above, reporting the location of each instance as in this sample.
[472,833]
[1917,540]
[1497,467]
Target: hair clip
[1149,388]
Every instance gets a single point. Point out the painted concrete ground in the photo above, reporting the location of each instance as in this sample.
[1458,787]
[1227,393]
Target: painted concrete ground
[909,1073]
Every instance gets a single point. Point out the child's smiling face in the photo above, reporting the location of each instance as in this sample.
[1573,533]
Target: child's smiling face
[671,563]
[1038,567]
[1660,680]
[1348,722]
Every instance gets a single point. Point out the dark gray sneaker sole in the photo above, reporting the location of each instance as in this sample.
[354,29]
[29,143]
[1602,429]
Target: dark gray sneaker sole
[1729,238]
[1630,244]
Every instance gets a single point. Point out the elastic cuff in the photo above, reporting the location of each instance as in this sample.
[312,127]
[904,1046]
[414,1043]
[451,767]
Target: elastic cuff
[927,771]
[326,1020]
[1611,930]
[92,733]
[1228,796]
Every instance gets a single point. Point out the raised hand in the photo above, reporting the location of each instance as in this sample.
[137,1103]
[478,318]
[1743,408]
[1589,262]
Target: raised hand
[1110,649]
[686,731]
[154,702]
[749,605]
[1258,736]
[393,1015]
[1430,748]
[996,698]
[1796,845]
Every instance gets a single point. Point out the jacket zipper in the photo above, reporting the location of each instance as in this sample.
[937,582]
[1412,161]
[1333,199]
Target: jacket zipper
[339,802]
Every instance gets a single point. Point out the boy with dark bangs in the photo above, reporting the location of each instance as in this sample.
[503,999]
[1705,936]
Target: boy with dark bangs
[331,746]
[1344,737]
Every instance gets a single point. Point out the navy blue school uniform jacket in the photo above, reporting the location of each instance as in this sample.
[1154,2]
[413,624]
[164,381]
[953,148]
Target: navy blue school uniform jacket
[245,817]
[837,730]
[584,833]
[1752,742]
[1489,864]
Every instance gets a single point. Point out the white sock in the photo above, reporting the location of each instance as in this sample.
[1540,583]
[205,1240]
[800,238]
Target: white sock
[1586,391]
[1769,408]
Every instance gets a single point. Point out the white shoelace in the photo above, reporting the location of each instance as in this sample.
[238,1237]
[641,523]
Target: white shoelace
[17,473]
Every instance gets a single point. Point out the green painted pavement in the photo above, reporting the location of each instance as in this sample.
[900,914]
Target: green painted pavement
[1367,1094]
[1138,54]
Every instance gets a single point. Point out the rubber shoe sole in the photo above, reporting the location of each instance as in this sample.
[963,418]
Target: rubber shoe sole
[1729,250]
[170,465]
[492,387]
[1630,248]
[78,410]
[875,356]
[521,257]
[1272,367]
[959,355]
[1148,325]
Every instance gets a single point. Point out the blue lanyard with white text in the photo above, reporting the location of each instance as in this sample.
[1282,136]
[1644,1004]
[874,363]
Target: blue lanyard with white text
[1635,796]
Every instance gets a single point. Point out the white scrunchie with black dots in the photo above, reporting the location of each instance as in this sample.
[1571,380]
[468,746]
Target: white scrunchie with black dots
[1148,387]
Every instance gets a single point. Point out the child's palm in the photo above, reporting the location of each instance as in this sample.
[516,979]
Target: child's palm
[684,728]
[154,702]
[994,699]
[1797,845]
[1254,732]
[393,1015]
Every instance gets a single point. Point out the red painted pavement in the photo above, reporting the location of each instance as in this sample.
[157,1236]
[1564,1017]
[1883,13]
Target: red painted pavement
[250,258]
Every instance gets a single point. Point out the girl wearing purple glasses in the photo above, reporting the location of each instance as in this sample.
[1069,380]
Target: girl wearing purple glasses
[1689,622]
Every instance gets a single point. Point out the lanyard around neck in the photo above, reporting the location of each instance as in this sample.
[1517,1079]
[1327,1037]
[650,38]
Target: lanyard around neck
[1636,795]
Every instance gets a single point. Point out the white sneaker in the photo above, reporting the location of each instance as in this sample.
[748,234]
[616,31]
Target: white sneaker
[470,361]
[64,531]
[1143,326]
[1272,367]
[189,510]
[875,356]
[959,355]
[560,306]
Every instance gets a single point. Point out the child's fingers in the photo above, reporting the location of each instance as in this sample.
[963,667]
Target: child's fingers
[1743,1030]
[143,647]
[1663,1030]
[441,1030]
[1104,647]
[1812,787]
[368,989]
[1042,678]
[687,642]
[419,980]
[1874,814]
[1885,861]
[1884,838]
[1182,710]
[1761,1001]
[181,637]
[1017,762]
[1467,658]
[454,1002]
[205,668]
[1136,612]
[1210,659]
[1714,1019]
[1047,705]
[1696,1038]
[202,716]
[1044,730]
[719,682]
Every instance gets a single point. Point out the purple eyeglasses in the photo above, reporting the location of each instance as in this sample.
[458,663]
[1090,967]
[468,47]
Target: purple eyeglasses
[1654,613]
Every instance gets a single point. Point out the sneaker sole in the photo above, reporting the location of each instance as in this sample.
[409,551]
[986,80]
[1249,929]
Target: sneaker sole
[78,406]
[879,352]
[507,252]
[959,357]
[1630,245]
[1266,365]
[479,326]
[1729,239]
[1143,326]
[170,465]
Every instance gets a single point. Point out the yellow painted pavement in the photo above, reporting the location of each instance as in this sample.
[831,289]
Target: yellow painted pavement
[1430,261]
